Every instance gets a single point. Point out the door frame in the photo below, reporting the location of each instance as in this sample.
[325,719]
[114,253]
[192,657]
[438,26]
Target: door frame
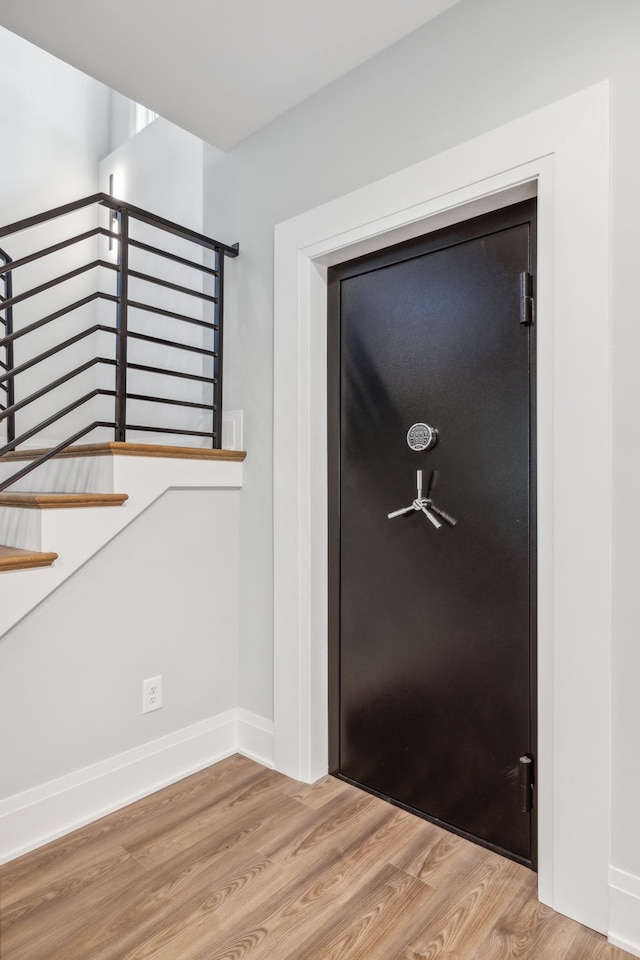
[561,154]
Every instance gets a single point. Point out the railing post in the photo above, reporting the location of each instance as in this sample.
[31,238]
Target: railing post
[121,324]
[218,344]
[8,329]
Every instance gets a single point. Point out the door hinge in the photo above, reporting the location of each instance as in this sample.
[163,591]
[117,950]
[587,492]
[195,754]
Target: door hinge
[526,784]
[526,298]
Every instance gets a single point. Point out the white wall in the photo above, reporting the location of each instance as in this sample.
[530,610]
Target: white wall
[55,129]
[479,65]
[162,598]
[119,119]
[160,169]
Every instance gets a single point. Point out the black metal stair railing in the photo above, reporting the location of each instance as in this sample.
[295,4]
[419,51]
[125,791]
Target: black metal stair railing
[13,334]
[6,365]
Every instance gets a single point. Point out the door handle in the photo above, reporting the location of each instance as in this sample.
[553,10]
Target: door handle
[398,513]
[427,512]
[425,505]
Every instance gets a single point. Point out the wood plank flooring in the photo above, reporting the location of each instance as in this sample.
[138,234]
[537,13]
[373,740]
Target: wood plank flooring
[241,863]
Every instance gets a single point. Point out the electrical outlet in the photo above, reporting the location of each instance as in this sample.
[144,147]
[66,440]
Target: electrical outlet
[151,694]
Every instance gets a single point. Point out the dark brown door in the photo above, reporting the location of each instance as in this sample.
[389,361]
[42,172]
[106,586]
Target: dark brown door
[432,628]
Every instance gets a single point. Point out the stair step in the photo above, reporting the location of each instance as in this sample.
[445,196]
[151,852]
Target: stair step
[109,448]
[11,558]
[52,501]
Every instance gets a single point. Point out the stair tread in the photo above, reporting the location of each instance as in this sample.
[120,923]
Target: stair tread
[109,448]
[13,558]
[49,501]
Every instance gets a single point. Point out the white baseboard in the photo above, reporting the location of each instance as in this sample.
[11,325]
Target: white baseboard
[255,737]
[624,911]
[232,430]
[44,813]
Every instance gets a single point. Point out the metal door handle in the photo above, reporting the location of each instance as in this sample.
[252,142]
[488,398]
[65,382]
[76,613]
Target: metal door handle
[430,516]
[425,505]
[418,504]
[398,513]
[445,516]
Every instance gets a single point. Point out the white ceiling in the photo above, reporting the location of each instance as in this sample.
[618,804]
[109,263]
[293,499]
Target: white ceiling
[219,69]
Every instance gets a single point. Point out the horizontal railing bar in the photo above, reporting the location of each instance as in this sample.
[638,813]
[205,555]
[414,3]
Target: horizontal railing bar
[136,305]
[182,433]
[170,343]
[137,213]
[58,280]
[106,201]
[53,249]
[57,349]
[54,418]
[52,214]
[55,316]
[53,451]
[172,286]
[170,373]
[56,383]
[175,403]
[172,256]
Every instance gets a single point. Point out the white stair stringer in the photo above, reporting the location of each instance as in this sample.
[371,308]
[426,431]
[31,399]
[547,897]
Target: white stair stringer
[78,534]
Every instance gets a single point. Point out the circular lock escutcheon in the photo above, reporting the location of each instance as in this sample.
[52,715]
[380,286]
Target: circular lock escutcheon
[421,436]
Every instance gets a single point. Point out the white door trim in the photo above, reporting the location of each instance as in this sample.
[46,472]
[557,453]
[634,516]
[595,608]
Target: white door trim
[564,150]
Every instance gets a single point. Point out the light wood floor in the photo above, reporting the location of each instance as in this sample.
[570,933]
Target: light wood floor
[241,862]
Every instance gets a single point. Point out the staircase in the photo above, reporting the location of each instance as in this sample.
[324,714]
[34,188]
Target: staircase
[62,531]
[128,314]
